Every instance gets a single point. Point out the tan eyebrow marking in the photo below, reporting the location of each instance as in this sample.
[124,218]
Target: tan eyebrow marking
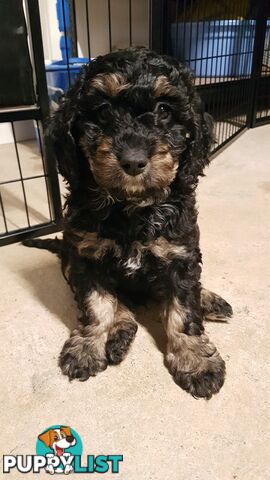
[110,83]
[162,87]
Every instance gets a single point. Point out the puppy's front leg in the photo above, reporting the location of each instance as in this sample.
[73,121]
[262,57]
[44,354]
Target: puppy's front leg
[83,354]
[107,331]
[192,359]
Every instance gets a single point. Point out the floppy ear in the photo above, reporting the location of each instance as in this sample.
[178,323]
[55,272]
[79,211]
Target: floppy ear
[204,139]
[46,437]
[59,139]
[60,142]
[200,126]
[67,431]
[198,151]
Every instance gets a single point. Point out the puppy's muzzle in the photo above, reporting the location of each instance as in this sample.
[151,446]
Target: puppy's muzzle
[133,161]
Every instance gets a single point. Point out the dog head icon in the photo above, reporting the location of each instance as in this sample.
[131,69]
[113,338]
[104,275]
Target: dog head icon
[58,439]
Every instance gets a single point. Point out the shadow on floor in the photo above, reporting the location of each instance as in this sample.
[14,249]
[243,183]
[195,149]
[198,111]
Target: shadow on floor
[150,319]
[13,204]
[50,288]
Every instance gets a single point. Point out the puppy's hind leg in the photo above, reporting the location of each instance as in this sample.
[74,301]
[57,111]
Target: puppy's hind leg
[83,354]
[214,307]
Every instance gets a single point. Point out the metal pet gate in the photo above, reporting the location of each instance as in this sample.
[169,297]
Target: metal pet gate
[24,103]
[226,44]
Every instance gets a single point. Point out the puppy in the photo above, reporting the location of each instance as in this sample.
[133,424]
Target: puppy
[131,139]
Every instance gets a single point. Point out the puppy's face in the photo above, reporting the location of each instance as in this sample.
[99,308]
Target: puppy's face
[132,120]
[132,135]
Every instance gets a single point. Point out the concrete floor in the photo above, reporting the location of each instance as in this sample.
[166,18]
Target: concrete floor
[135,409]
[35,189]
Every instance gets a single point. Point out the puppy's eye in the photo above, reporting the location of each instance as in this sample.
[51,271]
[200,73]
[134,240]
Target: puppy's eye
[104,113]
[164,111]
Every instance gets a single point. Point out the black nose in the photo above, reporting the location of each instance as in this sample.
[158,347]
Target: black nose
[133,161]
[69,439]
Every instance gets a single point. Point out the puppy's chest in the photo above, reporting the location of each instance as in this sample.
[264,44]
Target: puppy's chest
[130,258]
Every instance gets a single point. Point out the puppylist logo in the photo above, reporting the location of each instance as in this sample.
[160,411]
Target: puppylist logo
[59,450]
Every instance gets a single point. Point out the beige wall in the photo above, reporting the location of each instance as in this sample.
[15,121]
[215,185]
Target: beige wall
[49,27]
[99,25]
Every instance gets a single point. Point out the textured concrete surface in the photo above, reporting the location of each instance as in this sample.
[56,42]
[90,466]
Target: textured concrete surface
[135,409]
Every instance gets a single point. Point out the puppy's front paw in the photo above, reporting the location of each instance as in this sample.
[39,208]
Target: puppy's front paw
[119,341]
[82,356]
[215,307]
[196,366]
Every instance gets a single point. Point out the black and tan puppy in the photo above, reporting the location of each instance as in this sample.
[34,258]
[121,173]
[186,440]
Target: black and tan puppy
[131,140]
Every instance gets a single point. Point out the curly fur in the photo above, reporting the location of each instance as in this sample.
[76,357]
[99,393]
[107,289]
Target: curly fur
[131,238]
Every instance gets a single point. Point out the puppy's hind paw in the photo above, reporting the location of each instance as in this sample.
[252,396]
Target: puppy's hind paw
[197,367]
[81,357]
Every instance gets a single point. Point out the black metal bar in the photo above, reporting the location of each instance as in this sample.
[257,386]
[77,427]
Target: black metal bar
[18,235]
[21,175]
[228,61]
[200,76]
[214,98]
[196,46]
[75,27]
[38,54]
[225,55]
[24,179]
[66,42]
[176,26]
[163,25]
[219,97]
[110,25]
[20,113]
[260,31]
[241,117]
[54,189]
[88,29]
[157,35]
[130,21]
[190,35]
[184,35]
[150,24]
[211,87]
[3,212]
[44,169]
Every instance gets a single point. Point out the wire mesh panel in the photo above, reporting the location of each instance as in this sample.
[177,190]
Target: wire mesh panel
[29,190]
[263,96]
[225,43]
[216,39]
[88,28]
[266,52]
[25,200]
